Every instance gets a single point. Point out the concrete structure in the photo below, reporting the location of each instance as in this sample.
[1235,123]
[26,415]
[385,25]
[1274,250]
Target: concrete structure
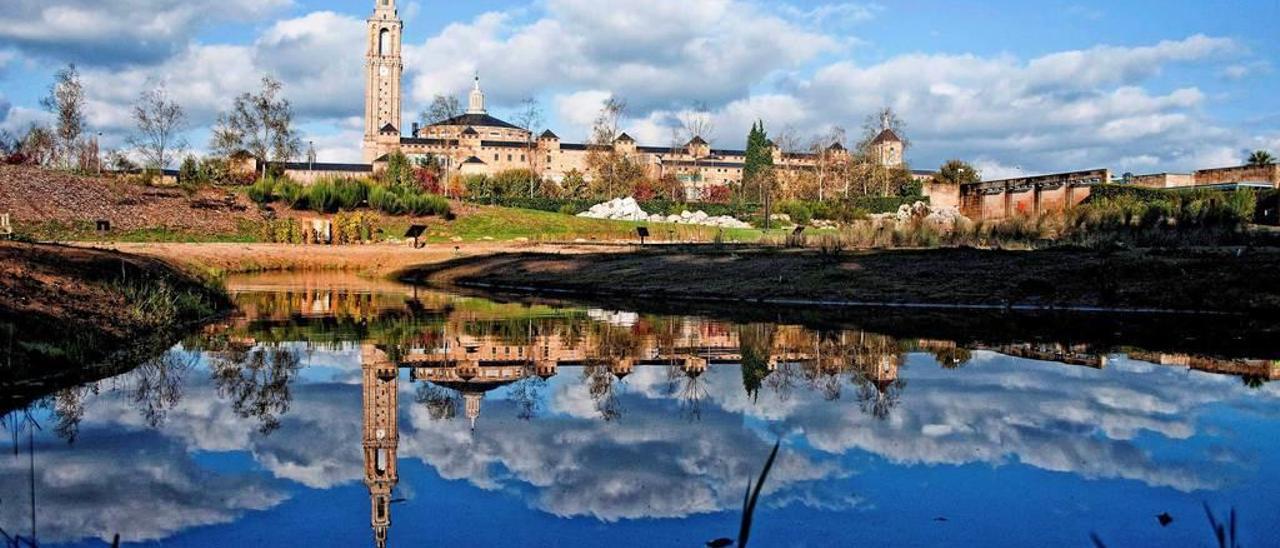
[1246,176]
[384,69]
[994,200]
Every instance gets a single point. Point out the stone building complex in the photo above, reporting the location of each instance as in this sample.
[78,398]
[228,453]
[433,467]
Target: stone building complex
[479,143]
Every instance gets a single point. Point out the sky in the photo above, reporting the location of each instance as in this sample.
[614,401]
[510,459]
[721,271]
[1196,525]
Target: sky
[1014,87]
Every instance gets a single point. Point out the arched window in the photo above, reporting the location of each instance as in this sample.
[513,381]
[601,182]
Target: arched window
[384,42]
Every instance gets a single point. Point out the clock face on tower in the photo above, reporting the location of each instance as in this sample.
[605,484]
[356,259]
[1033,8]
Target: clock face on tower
[384,71]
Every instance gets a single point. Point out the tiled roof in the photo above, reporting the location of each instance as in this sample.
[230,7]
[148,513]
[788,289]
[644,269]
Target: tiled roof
[475,120]
[885,136]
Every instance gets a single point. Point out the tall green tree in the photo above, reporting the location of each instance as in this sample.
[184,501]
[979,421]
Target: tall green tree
[759,157]
[1261,158]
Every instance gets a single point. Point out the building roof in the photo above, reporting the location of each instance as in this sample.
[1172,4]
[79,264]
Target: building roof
[389,129]
[886,136]
[548,134]
[624,138]
[474,160]
[470,131]
[836,146]
[697,140]
[475,120]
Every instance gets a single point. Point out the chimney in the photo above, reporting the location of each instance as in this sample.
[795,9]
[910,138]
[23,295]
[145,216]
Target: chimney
[415,130]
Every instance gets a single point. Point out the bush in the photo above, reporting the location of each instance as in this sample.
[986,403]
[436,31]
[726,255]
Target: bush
[262,191]
[800,212]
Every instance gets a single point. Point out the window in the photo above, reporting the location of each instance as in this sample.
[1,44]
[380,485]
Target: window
[509,158]
[495,157]
[384,42]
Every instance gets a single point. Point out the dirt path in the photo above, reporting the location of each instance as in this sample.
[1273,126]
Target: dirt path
[376,260]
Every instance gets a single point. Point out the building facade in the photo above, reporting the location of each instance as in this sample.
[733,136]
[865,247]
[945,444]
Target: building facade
[479,143]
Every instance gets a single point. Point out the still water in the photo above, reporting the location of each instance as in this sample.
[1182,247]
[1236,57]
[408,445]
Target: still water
[330,411]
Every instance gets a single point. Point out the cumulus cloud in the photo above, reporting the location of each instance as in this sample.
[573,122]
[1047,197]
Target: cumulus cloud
[104,485]
[655,53]
[318,57]
[115,32]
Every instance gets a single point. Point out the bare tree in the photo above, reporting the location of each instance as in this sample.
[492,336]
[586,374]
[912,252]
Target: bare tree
[161,122]
[261,124]
[39,145]
[612,172]
[697,124]
[885,118]
[66,101]
[530,119]
[444,108]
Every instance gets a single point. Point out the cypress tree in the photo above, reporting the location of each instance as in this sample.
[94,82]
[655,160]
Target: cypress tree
[759,159]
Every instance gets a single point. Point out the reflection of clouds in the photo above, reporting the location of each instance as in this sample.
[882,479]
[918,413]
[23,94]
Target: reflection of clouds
[136,484]
[642,466]
[1000,410]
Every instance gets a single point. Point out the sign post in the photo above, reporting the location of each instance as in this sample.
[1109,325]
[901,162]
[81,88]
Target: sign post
[415,232]
[643,232]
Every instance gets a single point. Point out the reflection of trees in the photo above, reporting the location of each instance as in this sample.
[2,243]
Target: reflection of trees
[756,344]
[158,383]
[880,400]
[600,384]
[442,403]
[1254,381]
[526,393]
[693,389]
[257,382]
[68,405]
[953,357]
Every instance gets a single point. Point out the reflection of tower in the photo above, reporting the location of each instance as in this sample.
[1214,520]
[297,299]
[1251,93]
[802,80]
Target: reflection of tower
[471,404]
[381,437]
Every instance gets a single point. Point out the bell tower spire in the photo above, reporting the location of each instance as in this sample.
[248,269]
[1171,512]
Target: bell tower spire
[384,69]
[475,104]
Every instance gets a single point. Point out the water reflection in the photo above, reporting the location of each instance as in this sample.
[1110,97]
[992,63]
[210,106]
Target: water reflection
[587,416]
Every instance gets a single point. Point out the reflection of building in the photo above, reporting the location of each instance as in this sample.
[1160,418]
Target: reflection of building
[1261,369]
[1077,354]
[381,436]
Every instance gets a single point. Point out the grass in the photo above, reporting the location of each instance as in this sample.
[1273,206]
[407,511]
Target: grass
[57,231]
[506,224]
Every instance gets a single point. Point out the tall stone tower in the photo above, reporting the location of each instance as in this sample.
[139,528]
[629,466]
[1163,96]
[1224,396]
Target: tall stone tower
[384,69]
[381,436]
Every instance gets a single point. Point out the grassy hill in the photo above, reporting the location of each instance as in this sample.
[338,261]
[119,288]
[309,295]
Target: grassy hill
[59,206]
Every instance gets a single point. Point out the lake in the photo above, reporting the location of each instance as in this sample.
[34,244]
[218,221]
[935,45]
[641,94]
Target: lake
[334,411]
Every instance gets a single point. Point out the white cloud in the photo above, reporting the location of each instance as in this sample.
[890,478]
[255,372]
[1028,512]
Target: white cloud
[658,53]
[113,32]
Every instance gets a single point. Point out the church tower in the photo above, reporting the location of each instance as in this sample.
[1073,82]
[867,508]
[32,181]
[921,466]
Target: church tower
[475,101]
[384,69]
[887,147]
[381,436]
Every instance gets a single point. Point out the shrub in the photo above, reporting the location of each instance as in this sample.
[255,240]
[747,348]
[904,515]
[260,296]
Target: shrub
[262,191]
[800,212]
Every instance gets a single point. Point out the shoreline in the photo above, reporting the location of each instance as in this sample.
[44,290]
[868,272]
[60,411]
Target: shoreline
[1131,282]
[68,314]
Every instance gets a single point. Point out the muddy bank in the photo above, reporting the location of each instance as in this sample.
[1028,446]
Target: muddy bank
[70,315]
[1218,281]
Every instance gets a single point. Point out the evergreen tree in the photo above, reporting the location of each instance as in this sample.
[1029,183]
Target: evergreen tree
[759,157]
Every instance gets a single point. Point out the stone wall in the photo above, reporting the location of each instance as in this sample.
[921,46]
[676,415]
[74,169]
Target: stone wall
[1243,174]
[941,195]
[994,200]
[1164,180]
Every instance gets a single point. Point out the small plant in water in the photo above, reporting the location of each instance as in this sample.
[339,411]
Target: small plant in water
[749,505]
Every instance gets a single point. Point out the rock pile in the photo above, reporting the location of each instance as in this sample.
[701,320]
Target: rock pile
[627,209]
[943,218]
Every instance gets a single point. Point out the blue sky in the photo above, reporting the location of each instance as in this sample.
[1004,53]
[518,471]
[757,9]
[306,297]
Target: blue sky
[1012,86]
